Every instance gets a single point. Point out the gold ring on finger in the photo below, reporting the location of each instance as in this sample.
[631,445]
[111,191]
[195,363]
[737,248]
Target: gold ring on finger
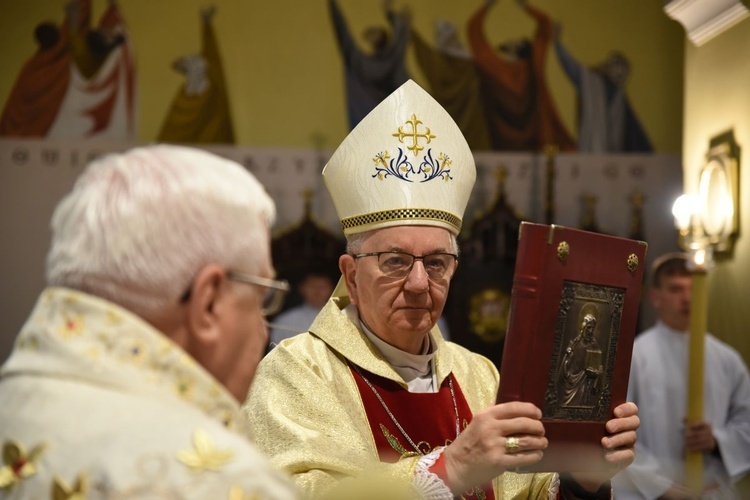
[512,444]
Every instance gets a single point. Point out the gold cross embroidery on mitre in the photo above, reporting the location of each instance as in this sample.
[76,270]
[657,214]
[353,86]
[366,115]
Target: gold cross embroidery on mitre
[415,135]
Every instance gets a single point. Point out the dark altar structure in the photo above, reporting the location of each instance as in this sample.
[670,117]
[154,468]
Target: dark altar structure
[305,247]
[479,298]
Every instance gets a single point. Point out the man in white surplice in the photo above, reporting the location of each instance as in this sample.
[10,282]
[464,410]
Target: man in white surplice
[658,385]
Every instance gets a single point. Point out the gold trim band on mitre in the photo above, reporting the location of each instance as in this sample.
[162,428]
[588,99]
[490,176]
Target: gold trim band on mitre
[401,214]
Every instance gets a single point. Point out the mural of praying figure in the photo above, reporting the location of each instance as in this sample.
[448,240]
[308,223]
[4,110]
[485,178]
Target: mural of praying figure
[520,111]
[39,89]
[79,84]
[200,112]
[92,46]
[606,120]
[100,102]
[453,81]
[373,76]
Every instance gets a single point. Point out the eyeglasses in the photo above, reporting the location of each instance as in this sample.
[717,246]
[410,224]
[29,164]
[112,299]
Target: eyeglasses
[273,298]
[439,266]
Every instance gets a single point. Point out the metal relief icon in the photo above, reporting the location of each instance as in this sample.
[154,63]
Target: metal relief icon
[563,251]
[582,363]
[580,378]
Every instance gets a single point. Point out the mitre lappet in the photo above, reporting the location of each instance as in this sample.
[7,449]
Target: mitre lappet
[405,163]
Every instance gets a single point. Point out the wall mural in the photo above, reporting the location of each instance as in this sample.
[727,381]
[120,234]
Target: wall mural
[497,95]
[606,119]
[371,76]
[75,98]
[200,112]
[80,83]
[521,115]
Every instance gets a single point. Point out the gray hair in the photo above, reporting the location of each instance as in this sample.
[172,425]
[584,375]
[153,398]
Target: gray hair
[137,226]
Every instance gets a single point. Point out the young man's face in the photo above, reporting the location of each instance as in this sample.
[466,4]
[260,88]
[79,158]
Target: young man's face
[672,300]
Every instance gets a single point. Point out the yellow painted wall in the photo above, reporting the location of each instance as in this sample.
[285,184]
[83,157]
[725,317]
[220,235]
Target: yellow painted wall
[285,75]
[717,98]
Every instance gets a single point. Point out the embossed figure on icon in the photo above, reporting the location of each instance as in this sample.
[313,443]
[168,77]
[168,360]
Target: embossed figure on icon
[582,364]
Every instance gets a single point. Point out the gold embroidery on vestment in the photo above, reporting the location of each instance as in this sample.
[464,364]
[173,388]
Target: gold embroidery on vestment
[205,455]
[17,464]
[62,491]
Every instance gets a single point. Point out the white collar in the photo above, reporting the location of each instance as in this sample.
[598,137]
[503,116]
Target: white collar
[417,370]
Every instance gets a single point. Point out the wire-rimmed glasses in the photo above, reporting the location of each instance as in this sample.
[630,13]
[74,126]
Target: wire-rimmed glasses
[438,265]
[273,298]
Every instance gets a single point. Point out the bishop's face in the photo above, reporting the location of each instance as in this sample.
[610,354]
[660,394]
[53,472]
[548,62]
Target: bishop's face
[401,311]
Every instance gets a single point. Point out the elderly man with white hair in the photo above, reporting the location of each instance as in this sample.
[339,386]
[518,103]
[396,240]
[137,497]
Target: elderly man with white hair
[373,388]
[125,380]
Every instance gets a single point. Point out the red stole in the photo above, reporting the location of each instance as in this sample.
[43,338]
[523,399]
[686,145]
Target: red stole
[429,419]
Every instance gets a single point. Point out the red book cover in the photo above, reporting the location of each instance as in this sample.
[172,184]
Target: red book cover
[574,308]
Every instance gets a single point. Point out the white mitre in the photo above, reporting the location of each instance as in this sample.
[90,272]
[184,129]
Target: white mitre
[405,163]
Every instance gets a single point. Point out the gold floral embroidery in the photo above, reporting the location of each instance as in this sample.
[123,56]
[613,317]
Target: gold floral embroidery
[227,418]
[236,493]
[396,445]
[478,491]
[17,464]
[70,299]
[163,346]
[214,391]
[103,336]
[62,491]
[29,342]
[187,360]
[72,325]
[93,353]
[205,455]
[392,440]
[137,350]
[113,318]
[184,387]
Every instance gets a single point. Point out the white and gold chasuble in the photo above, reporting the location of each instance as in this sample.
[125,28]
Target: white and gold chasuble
[307,415]
[98,404]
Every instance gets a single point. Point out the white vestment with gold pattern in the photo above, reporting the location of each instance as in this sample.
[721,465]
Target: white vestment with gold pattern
[98,403]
